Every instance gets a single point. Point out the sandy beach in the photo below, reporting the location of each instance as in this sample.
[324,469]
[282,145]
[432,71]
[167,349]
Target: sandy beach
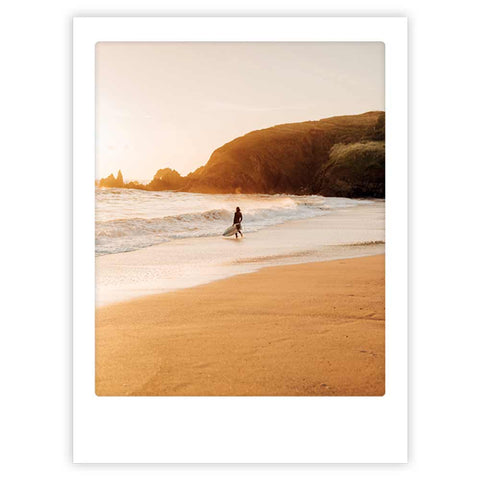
[314,329]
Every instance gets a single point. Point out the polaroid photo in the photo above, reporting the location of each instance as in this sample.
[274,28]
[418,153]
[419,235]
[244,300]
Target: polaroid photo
[240,240]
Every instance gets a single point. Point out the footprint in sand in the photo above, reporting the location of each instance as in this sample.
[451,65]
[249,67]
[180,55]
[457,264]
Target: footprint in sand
[368,353]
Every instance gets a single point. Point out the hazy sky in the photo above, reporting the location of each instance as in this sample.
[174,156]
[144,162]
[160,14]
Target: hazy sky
[172,104]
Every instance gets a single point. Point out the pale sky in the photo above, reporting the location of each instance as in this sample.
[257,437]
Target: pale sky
[172,104]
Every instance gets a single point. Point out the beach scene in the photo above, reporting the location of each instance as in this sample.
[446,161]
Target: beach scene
[240,219]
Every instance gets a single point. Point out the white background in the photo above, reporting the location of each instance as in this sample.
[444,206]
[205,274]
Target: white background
[35,349]
[209,430]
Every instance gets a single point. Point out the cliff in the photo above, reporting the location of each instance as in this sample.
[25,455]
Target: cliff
[338,156]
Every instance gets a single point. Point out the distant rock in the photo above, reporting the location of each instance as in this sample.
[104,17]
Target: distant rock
[167,179]
[112,182]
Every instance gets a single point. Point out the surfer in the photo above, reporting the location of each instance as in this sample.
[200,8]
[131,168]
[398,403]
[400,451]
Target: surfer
[237,221]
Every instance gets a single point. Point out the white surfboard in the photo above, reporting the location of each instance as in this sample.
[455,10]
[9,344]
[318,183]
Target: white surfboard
[230,231]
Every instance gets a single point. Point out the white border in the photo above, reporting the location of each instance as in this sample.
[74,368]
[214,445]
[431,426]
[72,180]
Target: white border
[239,429]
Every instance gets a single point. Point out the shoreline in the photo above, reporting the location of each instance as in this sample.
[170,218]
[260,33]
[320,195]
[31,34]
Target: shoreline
[255,265]
[184,263]
[310,329]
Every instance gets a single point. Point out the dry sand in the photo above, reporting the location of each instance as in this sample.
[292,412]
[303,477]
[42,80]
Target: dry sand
[309,329]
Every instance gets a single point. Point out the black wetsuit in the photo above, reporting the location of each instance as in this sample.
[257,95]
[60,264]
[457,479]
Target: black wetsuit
[237,218]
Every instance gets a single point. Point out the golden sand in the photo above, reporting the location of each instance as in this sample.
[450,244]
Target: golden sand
[309,329]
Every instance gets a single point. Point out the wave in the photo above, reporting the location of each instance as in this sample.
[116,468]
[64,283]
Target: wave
[164,225]
[123,235]
[118,229]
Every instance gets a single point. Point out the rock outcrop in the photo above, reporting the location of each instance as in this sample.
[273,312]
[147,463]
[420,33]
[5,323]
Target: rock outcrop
[342,156]
[167,179]
[112,182]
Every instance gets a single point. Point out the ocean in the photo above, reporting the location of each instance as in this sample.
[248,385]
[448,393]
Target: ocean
[129,220]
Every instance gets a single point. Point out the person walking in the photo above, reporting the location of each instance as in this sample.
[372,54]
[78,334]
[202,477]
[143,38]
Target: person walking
[237,221]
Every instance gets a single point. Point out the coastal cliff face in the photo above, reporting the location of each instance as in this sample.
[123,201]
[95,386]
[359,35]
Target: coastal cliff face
[342,156]
[338,156]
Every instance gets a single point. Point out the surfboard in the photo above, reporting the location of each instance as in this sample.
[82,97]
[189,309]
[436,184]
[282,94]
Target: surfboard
[230,231]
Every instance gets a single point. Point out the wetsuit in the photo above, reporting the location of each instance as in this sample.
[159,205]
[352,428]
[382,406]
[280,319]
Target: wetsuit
[237,218]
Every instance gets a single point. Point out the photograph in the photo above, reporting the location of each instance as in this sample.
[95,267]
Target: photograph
[240,219]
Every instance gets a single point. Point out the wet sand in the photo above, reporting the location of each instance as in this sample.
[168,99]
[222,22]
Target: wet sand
[315,329]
